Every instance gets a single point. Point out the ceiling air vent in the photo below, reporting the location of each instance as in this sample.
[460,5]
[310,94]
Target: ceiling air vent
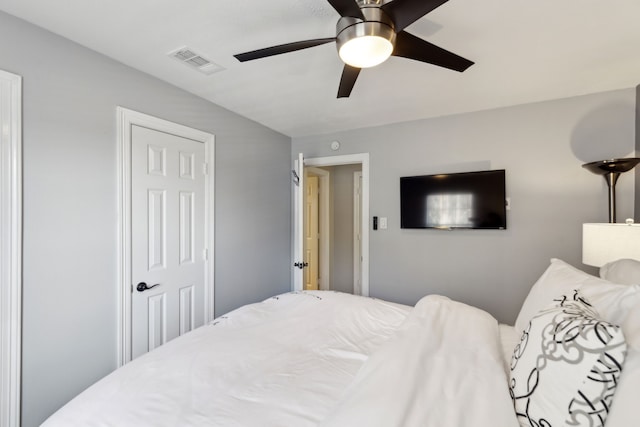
[195,60]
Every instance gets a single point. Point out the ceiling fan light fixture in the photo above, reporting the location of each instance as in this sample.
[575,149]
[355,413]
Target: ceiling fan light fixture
[365,51]
[365,43]
[367,33]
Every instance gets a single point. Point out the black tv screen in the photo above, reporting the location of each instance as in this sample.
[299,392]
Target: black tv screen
[475,200]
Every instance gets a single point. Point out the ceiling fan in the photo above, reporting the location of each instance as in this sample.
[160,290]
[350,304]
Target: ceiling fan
[368,32]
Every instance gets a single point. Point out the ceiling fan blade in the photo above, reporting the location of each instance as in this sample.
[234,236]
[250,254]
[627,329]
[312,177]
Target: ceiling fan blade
[283,48]
[412,47]
[406,12]
[348,79]
[347,8]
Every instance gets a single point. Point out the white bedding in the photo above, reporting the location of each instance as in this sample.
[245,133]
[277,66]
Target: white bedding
[443,367]
[309,358]
[282,362]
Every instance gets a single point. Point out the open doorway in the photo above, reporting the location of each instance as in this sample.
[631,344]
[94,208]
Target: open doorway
[331,226]
[338,233]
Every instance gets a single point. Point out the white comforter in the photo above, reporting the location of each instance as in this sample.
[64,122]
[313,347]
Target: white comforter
[309,358]
[443,367]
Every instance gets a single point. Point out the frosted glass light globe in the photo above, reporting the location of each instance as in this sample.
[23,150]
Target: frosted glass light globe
[366,51]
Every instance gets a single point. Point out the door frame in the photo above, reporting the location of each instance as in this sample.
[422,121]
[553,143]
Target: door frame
[10,248]
[348,159]
[126,119]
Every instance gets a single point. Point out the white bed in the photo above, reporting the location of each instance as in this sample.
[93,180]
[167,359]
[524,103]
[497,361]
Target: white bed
[332,359]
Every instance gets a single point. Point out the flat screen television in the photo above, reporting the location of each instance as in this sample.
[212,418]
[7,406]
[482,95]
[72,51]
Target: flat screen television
[471,200]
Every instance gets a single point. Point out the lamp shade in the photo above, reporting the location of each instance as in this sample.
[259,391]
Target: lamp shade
[606,242]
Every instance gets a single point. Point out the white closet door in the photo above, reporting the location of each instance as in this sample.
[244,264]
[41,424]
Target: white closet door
[167,244]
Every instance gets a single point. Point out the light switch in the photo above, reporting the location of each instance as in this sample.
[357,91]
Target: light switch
[383,223]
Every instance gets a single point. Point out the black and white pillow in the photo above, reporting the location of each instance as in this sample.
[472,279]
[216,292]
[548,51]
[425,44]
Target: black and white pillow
[566,367]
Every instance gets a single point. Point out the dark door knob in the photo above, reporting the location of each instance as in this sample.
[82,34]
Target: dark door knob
[301,265]
[142,286]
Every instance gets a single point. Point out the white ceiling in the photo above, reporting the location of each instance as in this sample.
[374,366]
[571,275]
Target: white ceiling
[524,51]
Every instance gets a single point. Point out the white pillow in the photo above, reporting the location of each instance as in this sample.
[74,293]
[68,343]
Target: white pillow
[624,271]
[624,412]
[566,368]
[617,304]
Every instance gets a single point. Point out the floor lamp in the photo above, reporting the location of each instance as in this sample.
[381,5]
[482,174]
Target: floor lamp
[611,170]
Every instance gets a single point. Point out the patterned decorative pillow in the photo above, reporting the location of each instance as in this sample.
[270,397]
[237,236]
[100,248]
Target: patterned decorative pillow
[566,367]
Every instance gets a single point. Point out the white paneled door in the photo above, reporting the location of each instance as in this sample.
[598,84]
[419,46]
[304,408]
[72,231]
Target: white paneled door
[298,225]
[167,237]
[311,234]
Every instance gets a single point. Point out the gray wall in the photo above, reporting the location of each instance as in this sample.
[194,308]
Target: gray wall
[69,302]
[542,147]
